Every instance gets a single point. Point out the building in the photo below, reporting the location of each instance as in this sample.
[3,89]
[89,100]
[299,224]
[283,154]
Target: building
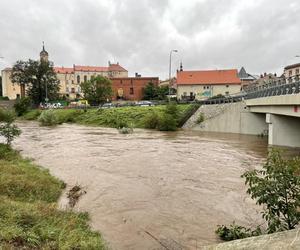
[70,78]
[264,79]
[246,78]
[131,88]
[291,72]
[203,84]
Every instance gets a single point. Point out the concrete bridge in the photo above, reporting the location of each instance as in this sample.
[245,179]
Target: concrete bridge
[272,110]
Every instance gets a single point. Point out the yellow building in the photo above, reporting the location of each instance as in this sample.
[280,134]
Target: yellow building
[69,78]
[203,84]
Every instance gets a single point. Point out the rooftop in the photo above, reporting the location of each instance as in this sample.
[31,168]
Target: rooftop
[203,77]
[292,66]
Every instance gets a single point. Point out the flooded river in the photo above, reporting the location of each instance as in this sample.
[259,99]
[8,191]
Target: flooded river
[149,188]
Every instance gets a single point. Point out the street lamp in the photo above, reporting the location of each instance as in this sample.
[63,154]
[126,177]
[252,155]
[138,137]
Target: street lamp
[170,69]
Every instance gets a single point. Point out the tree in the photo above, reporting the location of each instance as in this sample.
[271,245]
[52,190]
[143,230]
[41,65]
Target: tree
[153,92]
[7,129]
[97,90]
[277,187]
[39,77]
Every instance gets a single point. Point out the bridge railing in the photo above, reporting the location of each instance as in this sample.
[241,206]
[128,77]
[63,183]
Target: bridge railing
[274,88]
[283,86]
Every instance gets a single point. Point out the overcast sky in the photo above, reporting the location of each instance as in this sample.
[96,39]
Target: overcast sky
[261,35]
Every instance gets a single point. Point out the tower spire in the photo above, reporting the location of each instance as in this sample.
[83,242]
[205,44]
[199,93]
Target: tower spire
[44,54]
[181,67]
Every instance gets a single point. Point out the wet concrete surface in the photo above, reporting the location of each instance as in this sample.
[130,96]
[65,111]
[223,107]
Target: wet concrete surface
[151,190]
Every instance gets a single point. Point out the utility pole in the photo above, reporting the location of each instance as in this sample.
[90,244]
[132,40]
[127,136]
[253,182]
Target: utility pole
[170,70]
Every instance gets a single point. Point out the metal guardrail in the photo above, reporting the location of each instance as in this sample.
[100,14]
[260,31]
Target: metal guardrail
[288,86]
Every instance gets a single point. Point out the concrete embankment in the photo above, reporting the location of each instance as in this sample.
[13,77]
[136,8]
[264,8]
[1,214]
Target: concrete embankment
[228,118]
[283,240]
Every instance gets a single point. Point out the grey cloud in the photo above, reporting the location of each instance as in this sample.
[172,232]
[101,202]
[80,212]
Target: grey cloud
[260,35]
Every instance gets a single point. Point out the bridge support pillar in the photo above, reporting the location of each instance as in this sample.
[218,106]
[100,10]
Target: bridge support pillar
[283,130]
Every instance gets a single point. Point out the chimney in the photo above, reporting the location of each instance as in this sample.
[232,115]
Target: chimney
[265,74]
[137,75]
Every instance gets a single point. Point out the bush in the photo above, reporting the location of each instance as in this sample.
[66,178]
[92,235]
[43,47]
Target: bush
[167,123]
[9,131]
[172,109]
[7,116]
[6,153]
[32,114]
[4,98]
[151,121]
[200,118]
[48,118]
[277,187]
[22,105]
[235,232]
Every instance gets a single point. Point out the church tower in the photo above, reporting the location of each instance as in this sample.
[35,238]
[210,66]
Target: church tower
[44,54]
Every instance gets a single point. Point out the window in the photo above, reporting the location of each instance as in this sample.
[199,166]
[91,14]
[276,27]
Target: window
[227,93]
[297,71]
[78,79]
[67,89]
[290,73]
[227,86]
[131,91]
[72,81]
[85,78]
[72,90]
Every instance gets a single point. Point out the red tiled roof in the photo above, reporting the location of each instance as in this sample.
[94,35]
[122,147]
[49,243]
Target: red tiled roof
[203,77]
[63,70]
[90,68]
[116,67]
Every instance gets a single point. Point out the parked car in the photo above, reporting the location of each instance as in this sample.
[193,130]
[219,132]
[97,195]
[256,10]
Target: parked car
[145,103]
[107,105]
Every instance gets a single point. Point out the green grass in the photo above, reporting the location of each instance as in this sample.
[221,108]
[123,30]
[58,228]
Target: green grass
[29,218]
[133,116]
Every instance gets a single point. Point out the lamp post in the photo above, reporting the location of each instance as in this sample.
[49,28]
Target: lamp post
[170,69]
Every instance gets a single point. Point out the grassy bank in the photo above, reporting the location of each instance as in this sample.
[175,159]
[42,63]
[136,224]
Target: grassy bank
[134,116]
[29,218]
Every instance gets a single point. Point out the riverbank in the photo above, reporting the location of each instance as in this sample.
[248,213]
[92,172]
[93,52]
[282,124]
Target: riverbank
[112,117]
[29,218]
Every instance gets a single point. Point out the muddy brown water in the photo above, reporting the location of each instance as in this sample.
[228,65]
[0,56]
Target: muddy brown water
[151,190]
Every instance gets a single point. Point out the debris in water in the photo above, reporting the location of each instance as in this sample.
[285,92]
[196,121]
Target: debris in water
[74,194]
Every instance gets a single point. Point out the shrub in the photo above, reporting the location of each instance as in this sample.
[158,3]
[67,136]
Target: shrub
[6,152]
[9,131]
[125,130]
[172,109]
[32,114]
[167,123]
[234,232]
[4,98]
[22,105]
[200,118]
[48,118]
[7,116]
[151,121]
[277,187]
